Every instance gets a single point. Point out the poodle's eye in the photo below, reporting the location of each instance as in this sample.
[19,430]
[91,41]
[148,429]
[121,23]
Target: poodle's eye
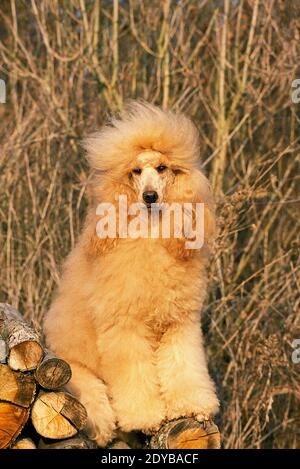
[137,171]
[161,168]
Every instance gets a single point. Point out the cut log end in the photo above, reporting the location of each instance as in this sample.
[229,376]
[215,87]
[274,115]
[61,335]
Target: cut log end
[12,421]
[25,356]
[24,443]
[23,342]
[58,415]
[53,373]
[16,387]
[187,433]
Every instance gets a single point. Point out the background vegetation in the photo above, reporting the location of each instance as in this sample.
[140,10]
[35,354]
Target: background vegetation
[229,64]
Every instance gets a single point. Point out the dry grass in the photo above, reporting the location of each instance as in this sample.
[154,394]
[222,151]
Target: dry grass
[228,64]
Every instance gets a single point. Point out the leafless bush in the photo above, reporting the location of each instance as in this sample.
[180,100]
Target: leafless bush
[227,63]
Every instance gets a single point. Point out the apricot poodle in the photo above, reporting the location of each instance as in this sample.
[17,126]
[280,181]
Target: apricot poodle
[127,312]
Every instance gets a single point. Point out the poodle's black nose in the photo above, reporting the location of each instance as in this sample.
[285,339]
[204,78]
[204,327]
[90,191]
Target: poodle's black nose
[150,197]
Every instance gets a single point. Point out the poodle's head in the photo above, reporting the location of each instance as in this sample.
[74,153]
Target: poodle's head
[151,177]
[148,154]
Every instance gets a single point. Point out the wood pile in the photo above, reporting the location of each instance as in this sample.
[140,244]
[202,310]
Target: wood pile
[37,412]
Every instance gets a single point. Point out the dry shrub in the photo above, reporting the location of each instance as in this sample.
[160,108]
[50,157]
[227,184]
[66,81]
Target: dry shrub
[229,64]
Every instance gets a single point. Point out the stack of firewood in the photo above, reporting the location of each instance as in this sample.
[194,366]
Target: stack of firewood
[35,410]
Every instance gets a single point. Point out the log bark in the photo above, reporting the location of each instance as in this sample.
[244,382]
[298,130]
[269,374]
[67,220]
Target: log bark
[15,387]
[53,373]
[58,415]
[77,442]
[24,443]
[3,351]
[25,350]
[187,433]
[12,421]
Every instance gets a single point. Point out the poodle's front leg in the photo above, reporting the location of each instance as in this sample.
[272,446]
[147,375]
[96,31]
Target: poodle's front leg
[131,376]
[92,393]
[185,384]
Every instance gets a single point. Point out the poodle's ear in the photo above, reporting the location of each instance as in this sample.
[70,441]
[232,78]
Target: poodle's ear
[107,193]
[191,185]
[96,246]
[93,245]
[203,194]
[209,224]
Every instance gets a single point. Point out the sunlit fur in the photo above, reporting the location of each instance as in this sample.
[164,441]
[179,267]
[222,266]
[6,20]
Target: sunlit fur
[127,312]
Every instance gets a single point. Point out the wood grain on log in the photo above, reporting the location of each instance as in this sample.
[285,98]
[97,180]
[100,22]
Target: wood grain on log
[15,387]
[25,350]
[58,415]
[24,443]
[12,421]
[53,373]
[187,433]
[77,442]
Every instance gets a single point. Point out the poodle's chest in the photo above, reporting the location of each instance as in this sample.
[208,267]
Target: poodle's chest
[144,282]
[145,266]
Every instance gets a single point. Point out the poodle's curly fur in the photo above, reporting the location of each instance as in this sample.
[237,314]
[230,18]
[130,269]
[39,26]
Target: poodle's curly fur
[127,312]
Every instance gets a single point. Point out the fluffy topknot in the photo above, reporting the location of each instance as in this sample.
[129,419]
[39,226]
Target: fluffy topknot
[143,126]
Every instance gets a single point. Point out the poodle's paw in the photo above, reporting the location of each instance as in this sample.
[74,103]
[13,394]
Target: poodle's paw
[200,406]
[92,393]
[147,419]
[203,417]
[101,422]
[147,424]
